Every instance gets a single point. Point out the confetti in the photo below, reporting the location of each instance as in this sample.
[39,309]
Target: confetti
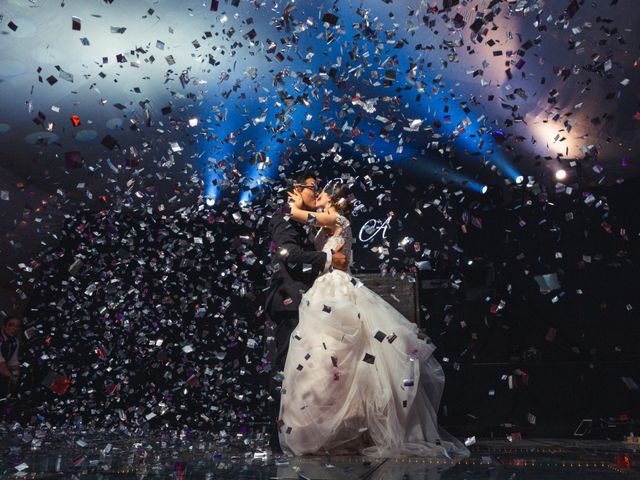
[146,187]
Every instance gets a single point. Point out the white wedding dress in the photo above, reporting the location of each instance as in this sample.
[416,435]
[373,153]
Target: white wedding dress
[359,377]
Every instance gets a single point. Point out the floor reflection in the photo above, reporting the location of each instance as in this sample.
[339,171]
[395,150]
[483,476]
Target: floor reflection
[183,456]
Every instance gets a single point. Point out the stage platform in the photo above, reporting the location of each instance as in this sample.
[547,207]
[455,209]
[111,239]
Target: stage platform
[185,456]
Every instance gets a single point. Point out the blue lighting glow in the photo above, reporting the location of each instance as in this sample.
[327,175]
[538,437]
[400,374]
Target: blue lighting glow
[436,122]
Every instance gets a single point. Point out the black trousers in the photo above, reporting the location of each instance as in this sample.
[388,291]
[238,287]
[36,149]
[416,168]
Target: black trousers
[284,323]
[5,388]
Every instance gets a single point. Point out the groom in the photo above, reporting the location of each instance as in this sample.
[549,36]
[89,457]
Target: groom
[296,265]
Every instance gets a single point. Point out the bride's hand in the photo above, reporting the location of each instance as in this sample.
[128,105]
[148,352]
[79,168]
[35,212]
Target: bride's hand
[338,259]
[322,200]
[295,198]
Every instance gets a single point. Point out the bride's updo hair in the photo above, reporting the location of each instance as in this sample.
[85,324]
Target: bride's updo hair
[341,198]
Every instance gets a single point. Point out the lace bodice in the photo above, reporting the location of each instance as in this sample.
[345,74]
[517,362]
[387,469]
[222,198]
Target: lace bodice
[326,242]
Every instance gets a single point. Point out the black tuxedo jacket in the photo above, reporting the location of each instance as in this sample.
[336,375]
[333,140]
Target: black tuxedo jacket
[295,261]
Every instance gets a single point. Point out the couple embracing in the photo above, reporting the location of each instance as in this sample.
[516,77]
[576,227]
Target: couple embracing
[357,377]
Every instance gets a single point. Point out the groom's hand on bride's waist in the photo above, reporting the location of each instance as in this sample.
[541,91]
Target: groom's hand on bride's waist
[338,259]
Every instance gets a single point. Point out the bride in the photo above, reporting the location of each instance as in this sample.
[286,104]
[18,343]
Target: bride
[359,377]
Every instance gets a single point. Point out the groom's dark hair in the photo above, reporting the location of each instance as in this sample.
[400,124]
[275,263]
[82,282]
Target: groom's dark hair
[299,178]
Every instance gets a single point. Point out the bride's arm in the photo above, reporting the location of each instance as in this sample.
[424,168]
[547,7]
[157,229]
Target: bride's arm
[320,219]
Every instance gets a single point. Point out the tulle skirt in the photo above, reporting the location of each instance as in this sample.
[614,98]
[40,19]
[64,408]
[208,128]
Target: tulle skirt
[360,378]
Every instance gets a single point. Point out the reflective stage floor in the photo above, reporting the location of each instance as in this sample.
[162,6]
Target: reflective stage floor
[188,456]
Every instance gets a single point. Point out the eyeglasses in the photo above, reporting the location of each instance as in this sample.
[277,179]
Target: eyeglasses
[312,187]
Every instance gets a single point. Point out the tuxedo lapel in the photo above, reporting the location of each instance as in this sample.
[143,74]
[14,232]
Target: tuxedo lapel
[312,232]
[306,236]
